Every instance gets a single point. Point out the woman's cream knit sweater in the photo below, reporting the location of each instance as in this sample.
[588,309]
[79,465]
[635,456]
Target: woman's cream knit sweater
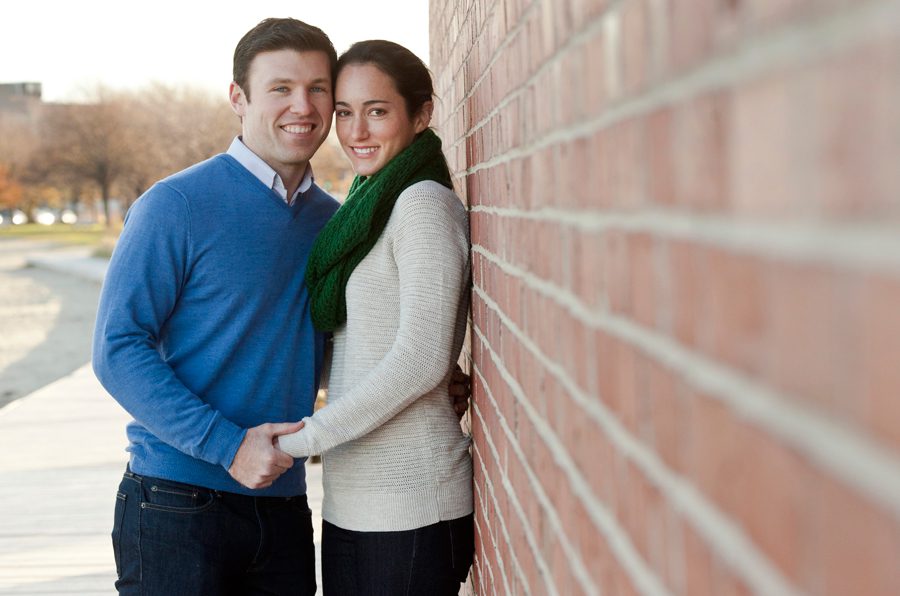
[395,457]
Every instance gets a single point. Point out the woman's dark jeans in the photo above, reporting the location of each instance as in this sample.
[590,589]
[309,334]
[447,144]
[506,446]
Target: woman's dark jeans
[431,561]
[171,538]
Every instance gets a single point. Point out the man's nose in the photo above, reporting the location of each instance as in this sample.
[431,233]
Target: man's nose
[300,103]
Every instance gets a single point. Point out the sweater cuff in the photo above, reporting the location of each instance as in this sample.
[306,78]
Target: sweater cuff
[297,444]
[225,439]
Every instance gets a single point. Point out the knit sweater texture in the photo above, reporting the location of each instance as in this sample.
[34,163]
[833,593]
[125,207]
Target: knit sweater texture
[395,457]
[203,328]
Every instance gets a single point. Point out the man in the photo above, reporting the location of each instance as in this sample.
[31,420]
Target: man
[204,332]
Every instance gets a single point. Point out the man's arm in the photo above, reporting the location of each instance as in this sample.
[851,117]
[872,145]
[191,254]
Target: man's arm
[145,278]
[460,390]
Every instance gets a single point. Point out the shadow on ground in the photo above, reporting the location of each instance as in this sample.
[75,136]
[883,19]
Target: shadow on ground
[67,345]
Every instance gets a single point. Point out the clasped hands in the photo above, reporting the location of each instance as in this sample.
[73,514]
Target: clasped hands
[259,462]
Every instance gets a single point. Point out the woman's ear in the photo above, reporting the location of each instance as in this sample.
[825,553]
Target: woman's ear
[423,118]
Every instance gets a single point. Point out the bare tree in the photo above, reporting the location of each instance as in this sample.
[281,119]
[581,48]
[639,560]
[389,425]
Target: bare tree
[173,128]
[120,143]
[10,189]
[84,142]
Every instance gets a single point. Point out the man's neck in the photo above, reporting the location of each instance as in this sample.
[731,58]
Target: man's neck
[292,179]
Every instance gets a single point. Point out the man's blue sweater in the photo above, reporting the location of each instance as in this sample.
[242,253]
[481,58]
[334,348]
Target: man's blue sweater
[203,328]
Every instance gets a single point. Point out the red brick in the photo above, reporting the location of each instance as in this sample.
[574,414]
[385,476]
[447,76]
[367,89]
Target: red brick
[689,271]
[763,174]
[691,32]
[586,268]
[713,450]
[644,293]
[615,270]
[859,544]
[661,154]
[701,164]
[881,384]
[699,579]
[737,317]
[635,39]
[814,346]
[781,523]
[669,416]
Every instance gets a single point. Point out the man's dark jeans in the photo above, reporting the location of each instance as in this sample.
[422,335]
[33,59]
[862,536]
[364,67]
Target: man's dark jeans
[171,538]
[429,561]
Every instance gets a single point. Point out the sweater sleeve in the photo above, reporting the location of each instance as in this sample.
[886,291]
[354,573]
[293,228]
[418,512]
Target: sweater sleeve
[146,274]
[431,249]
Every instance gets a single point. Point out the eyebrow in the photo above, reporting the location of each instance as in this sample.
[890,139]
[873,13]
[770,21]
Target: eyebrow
[318,81]
[365,103]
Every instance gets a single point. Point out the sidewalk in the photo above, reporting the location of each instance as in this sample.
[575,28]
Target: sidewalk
[61,458]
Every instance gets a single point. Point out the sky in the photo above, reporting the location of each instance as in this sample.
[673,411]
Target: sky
[70,46]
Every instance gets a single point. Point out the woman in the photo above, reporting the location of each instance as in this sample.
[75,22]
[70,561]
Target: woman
[389,276]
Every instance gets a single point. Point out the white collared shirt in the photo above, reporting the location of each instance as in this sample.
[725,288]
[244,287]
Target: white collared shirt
[264,172]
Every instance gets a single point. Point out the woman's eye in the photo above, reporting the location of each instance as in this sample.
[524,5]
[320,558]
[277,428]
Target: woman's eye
[377,112]
[342,113]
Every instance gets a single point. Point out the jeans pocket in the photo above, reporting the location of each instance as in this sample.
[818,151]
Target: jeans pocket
[462,545]
[118,518]
[175,497]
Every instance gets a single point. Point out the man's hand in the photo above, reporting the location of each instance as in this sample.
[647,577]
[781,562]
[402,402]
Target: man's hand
[257,463]
[460,389]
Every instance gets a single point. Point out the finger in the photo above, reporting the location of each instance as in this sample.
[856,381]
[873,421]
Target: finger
[282,460]
[285,428]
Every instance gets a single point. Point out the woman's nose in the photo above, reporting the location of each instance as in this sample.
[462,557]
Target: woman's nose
[358,129]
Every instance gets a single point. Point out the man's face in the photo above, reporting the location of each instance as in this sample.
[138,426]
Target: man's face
[289,111]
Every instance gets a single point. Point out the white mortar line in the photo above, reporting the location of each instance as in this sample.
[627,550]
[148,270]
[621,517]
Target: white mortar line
[510,36]
[855,458]
[479,562]
[732,545]
[502,529]
[586,34]
[752,57]
[579,568]
[513,499]
[644,578]
[869,244]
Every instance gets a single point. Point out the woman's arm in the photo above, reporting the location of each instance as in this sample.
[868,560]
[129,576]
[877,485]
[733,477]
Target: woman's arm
[431,249]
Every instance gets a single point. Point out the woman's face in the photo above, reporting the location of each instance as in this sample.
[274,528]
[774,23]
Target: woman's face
[371,119]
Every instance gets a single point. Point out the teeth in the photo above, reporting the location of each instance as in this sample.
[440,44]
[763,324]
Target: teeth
[297,129]
[364,150]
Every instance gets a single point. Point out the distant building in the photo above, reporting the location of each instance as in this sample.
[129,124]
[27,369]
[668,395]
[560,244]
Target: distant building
[19,96]
[20,103]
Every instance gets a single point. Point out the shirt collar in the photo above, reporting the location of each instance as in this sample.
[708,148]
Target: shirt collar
[265,173]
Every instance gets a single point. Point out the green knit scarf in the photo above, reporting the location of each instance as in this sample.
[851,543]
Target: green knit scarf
[349,236]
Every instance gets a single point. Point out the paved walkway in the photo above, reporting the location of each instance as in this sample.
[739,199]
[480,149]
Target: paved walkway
[61,459]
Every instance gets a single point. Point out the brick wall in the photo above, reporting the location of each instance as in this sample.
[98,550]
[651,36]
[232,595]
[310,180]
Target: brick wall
[686,308]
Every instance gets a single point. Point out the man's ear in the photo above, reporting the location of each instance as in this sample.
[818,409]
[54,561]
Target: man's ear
[238,99]
[423,118]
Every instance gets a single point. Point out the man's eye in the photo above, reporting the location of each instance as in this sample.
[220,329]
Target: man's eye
[280,89]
